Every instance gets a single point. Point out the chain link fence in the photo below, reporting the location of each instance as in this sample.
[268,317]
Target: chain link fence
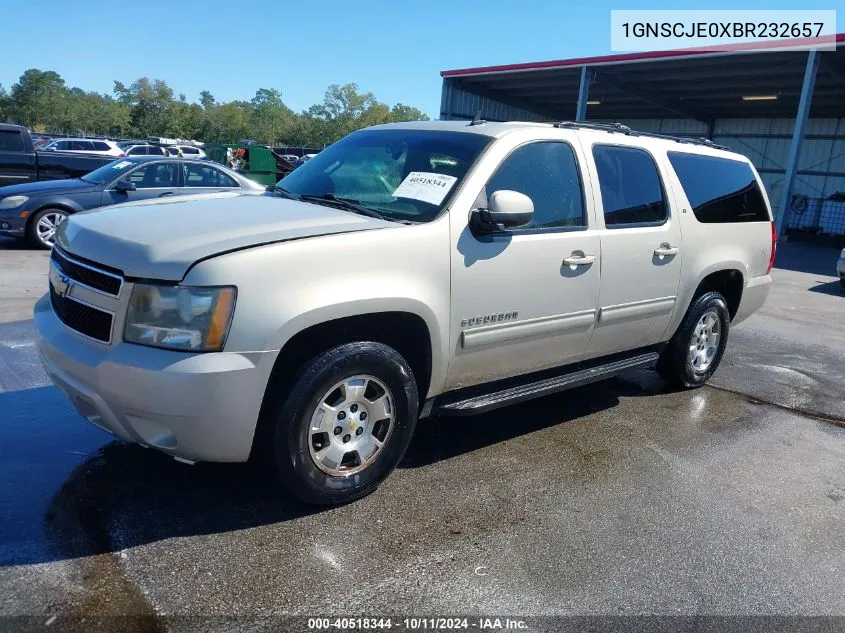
[822,216]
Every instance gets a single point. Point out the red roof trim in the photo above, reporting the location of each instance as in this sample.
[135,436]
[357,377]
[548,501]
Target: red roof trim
[649,55]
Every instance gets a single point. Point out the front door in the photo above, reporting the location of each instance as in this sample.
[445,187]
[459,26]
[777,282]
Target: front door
[525,299]
[640,248]
[151,180]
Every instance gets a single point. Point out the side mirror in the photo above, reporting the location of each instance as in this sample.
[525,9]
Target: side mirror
[506,210]
[124,186]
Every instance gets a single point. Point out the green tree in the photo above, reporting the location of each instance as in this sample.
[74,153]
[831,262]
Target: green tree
[38,98]
[401,112]
[151,106]
[270,117]
[206,99]
[145,107]
[5,104]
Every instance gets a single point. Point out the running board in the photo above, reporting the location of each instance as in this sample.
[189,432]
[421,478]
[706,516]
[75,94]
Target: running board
[538,389]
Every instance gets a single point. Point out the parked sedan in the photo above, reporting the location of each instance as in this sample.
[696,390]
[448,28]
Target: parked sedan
[34,210]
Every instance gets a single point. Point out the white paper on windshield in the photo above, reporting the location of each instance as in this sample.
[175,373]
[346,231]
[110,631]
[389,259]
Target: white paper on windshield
[426,186]
[122,164]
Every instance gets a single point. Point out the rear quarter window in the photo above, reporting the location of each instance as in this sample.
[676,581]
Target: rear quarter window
[720,189]
[11,141]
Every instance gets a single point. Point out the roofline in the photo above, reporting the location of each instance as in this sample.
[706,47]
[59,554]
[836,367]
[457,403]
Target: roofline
[706,51]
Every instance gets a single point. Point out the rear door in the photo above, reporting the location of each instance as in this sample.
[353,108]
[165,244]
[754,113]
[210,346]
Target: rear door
[205,178]
[640,247]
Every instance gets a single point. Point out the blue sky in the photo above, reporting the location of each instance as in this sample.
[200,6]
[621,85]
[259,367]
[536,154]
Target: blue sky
[395,49]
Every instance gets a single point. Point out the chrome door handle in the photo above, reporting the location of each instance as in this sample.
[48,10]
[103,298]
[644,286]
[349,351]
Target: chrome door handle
[579,260]
[664,250]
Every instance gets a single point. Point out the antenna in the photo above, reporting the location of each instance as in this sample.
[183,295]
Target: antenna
[477,120]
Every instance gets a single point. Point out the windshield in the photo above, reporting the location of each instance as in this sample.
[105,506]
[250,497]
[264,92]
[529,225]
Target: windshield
[108,172]
[402,174]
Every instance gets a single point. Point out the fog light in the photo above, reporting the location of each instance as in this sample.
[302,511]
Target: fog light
[5,225]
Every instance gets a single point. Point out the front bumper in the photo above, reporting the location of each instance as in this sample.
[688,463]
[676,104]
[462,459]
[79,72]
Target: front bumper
[12,226]
[201,407]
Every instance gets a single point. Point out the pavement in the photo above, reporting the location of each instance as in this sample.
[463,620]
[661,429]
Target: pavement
[618,499]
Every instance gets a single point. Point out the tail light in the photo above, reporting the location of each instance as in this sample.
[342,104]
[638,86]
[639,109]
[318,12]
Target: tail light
[122,154]
[774,248]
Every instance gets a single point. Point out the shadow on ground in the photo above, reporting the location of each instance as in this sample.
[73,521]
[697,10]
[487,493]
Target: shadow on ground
[828,288]
[120,495]
[807,258]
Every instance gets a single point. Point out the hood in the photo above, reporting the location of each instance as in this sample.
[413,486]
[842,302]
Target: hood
[162,238]
[45,187]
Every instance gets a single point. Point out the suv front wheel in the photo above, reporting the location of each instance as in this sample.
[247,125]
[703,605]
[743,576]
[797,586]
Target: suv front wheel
[346,423]
[694,353]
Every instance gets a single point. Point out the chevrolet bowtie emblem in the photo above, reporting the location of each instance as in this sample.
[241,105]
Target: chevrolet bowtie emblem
[352,425]
[62,284]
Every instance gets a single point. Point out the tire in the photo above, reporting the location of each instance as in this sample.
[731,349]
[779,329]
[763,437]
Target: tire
[367,368]
[680,365]
[842,283]
[38,228]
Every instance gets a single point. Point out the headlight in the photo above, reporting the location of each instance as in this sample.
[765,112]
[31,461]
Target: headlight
[180,317]
[13,201]
[842,254]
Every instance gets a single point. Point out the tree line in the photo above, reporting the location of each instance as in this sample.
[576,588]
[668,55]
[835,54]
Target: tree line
[42,101]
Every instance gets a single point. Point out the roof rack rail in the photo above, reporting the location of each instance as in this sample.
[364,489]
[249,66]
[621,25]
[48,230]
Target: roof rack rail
[624,129]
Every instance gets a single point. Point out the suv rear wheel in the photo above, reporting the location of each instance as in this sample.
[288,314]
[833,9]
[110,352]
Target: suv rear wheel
[694,353]
[345,424]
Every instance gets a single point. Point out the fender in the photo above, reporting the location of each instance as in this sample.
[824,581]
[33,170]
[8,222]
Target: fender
[374,305]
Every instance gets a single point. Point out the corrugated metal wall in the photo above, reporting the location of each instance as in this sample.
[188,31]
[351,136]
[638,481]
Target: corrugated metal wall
[821,167]
[459,104]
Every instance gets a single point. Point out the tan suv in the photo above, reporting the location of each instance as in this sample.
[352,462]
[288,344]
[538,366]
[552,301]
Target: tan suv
[409,269]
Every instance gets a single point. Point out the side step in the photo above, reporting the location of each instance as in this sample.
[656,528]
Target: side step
[528,391]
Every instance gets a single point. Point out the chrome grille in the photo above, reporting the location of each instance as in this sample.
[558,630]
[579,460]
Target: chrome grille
[81,317]
[95,278]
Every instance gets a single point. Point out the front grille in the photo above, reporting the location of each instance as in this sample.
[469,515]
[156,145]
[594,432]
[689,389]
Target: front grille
[82,318]
[84,274]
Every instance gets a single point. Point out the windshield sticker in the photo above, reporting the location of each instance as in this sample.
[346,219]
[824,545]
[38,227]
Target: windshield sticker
[425,186]
[122,164]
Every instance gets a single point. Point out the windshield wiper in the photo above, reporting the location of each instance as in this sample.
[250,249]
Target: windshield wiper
[282,192]
[344,203]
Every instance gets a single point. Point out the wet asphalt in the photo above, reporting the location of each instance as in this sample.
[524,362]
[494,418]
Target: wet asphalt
[619,498]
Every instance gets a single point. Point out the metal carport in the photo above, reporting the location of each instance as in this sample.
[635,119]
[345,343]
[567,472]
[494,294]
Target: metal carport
[691,91]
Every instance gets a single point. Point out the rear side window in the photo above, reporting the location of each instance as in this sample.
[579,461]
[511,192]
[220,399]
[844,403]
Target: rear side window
[631,191]
[719,189]
[11,141]
[101,147]
[190,150]
[204,176]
